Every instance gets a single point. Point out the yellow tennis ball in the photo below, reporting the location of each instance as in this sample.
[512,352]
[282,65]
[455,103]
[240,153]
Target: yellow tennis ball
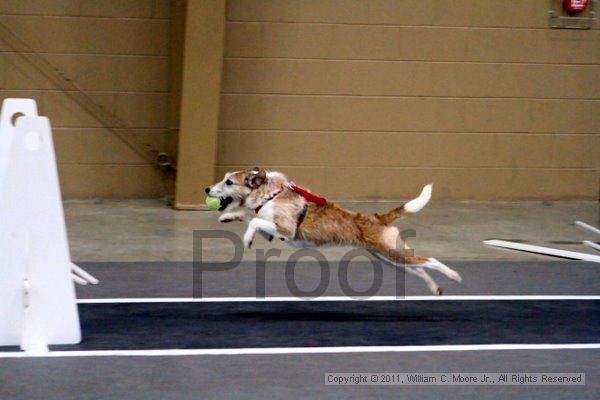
[213,203]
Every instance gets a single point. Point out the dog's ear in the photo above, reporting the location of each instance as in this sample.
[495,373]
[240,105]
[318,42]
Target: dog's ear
[255,177]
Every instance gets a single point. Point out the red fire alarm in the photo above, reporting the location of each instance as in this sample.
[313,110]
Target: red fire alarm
[574,6]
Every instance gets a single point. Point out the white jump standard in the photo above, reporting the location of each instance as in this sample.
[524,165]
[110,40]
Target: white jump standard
[36,272]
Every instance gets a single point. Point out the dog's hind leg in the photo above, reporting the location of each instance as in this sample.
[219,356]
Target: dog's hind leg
[386,245]
[412,269]
[432,263]
[433,287]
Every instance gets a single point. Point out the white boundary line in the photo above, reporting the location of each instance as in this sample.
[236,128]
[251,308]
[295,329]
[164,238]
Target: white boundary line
[543,250]
[302,350]
[326,298]
[310,350]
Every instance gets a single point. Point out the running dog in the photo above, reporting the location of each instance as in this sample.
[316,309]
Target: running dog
[276,208]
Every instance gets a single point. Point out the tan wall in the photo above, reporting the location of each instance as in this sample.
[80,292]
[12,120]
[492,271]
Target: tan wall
[353,98]
[373,99]
[117,51]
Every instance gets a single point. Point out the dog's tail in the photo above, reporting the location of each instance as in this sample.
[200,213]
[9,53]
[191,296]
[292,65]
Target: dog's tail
[413,206]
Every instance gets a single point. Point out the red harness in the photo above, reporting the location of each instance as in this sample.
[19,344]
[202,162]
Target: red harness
[309,197]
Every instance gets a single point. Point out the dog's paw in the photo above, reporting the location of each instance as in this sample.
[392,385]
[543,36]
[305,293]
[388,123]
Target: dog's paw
[444,269]
[248,238]
[455,276]
[228,218]
[439,291]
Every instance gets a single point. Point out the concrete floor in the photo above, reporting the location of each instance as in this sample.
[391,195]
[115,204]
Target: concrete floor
[148,230]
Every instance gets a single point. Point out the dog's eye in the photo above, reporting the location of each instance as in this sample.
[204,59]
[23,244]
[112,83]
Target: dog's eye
[228,182]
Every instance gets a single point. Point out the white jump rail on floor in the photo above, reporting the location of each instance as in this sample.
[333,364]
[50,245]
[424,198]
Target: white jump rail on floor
[587,227]
[38,305]
[543,250]
[592,245]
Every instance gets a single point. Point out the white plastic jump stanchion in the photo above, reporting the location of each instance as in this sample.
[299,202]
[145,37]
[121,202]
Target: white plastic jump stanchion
[38,305]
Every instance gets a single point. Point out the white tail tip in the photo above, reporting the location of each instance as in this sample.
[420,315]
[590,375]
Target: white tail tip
[416,205]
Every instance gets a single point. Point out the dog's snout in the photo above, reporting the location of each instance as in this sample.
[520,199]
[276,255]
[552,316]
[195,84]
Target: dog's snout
[206,190]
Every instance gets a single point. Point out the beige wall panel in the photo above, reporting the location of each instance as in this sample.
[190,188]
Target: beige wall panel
[246,40]
[408,114]
[563,46]
[506,13]
[90,72]
[375,98]
[125,8]
[25,94]
[80,181]
[410,79]
[142,110]
[117,51]
[91,8]
[565,116]
[89,35]
[135,110]
[100,146]
[376,149]
[478,96]
[449,183]
[372,42]
[3,67]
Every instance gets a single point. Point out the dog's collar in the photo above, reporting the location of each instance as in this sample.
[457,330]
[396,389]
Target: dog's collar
[271,197]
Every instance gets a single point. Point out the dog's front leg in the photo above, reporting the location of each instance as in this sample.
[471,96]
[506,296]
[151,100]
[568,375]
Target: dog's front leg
[232,216]
[255,225]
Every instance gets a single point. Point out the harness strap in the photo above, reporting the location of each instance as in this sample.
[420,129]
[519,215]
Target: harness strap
[309,197]
[301,216]
[257,209]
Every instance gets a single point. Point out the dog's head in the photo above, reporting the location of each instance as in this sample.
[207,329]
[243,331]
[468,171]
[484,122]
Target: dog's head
[236,186]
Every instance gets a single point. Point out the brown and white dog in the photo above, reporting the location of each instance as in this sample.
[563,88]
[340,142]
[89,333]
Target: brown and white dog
[266,200]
